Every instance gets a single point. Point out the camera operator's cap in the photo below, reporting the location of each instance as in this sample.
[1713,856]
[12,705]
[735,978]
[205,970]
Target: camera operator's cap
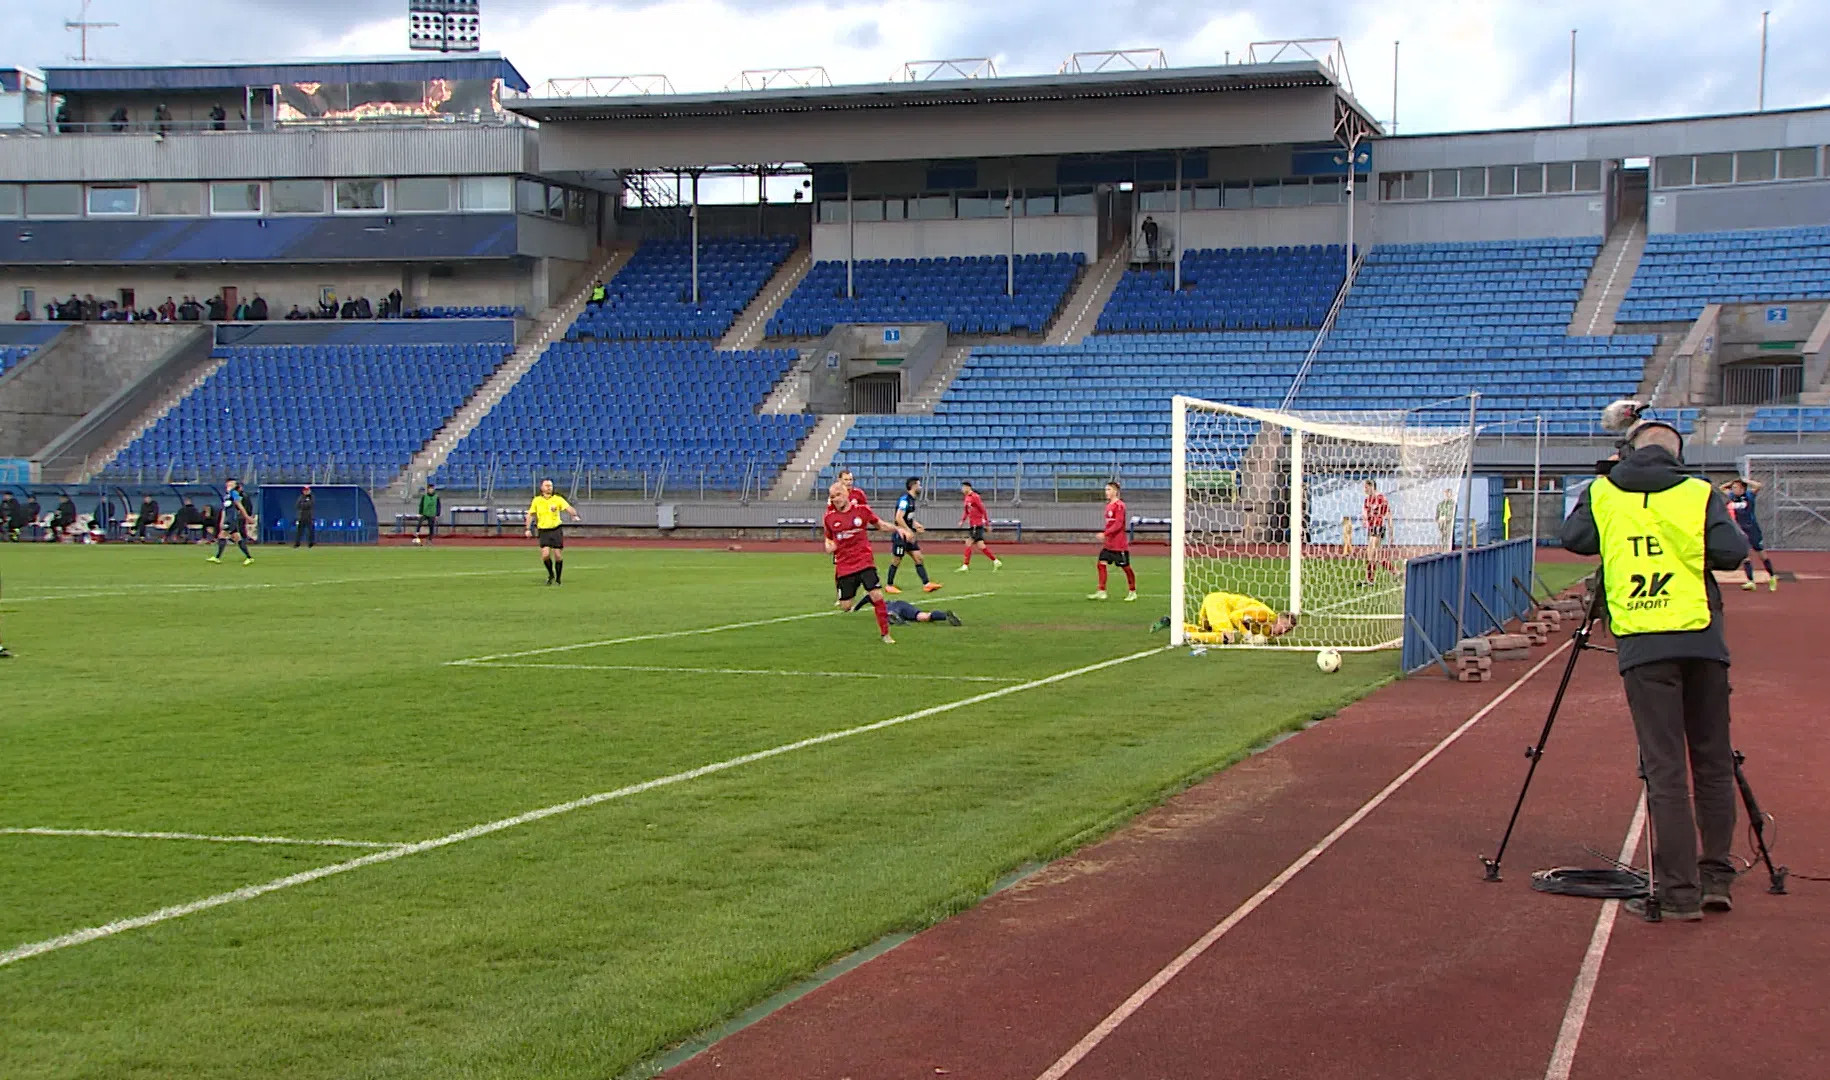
[1651,422]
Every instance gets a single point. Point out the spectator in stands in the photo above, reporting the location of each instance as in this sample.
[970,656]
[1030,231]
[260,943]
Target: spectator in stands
[12,518]
[327,306]
[146,518]
[305,522]
[25,315]
[241,311]
[63,118]
[162,117]
[295,314]
[63,518]
[92,308]
[257,309]
[168,311]
[118,118]
[1151,236]
[50,311]
[219,118]
[394,302]
[186,519]
[597,295]
[218,308]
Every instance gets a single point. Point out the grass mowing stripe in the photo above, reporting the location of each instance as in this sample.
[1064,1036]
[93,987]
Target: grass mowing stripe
[123,834]
[250,892]
[666,634]
[741,671]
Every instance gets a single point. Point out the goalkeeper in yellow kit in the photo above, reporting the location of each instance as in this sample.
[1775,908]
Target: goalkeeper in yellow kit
[1234,619]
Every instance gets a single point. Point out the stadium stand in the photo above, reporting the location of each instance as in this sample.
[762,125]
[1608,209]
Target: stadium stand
[1789,421]
[296,409]
[264,239]
[965,292]
[1424,322]
[500,311]
[12,354]
[1251,288]
[1679,274]
[637,407]
[651,297]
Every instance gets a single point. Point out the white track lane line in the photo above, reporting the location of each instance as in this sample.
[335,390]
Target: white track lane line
[742,671]
[123,834]
[1130,1006]
[249,892]
[666,634]
[1563,1055]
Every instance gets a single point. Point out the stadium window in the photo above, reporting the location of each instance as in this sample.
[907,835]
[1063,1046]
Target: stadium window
[421,195]
[832,212]
[1443,183]
[1715,168]
[1588,176]
[174,200]
[1474,183]
[235,198]
[1161,201]
[530,197]
[361,196]
[297,196]
[1078,201]
[1416,185]
[486,194]
[931,208]
[53,200]
[9,201]
[1670,172]
[869,209]
[1531,179]
[1327,192]
[577,204]
[1502,180]
[895,210]
[1798,163]
[1039,206]
[1359,190]
[1236,195]
[975,204]
[1207,198]
[1560,177]
[114,200]
[1752,166]
[1298,193]
[556,203]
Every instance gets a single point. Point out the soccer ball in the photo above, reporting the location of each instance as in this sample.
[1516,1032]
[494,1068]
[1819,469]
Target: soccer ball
[1328,660]
[416,540]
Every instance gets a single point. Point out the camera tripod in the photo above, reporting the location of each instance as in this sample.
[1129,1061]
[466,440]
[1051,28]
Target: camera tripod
[1776,875]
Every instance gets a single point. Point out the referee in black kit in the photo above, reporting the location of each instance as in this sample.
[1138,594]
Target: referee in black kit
[1659,532]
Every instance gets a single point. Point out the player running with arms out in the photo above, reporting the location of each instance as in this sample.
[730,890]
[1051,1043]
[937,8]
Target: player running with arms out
[1740,495]
[545,513]
[905,521]
[976,520]
[847,526]
[1115,549]
[235,523]
[1378,513]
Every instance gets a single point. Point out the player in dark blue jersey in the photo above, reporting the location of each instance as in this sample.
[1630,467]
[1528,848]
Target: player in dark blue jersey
[907,543]
[1740,495]
[237,522]
[901,611]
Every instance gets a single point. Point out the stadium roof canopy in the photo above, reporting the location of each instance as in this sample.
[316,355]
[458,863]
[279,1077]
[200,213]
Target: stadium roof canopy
[335,71]
[1158,109]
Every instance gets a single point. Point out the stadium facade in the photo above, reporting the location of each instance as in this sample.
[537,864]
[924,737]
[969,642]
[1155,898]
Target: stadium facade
[1000,279]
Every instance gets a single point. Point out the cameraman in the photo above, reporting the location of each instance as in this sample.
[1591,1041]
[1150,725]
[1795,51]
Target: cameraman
[1659,533]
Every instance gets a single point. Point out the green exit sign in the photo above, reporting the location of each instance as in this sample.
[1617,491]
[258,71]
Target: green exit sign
[1779,346]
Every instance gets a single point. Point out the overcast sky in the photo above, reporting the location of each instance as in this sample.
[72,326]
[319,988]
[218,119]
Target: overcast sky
[1464,64]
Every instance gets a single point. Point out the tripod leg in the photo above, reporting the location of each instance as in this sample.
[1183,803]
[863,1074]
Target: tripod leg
[1653,913]
[1536,753]
[1775,875]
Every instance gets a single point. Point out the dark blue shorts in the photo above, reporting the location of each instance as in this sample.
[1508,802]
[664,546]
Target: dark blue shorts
[1754,538]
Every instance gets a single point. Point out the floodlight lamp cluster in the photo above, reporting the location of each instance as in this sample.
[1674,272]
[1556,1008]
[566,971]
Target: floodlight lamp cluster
[444,25]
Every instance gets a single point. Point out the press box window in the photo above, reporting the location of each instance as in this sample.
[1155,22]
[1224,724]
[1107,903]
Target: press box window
[486,194]
[235,198]
[114,201]
[298,196]
[174,200]
[1798,163]
[357,196]
[9,201]
[422,195]
[53,200]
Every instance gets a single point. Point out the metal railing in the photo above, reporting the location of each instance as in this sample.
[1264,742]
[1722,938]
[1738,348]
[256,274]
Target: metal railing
[144,126]
[1321,335]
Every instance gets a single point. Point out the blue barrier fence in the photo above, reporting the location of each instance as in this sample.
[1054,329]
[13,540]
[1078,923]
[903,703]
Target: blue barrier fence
[344,514]
[1437,610]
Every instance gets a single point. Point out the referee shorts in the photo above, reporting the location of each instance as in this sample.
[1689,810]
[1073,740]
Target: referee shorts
[553,538]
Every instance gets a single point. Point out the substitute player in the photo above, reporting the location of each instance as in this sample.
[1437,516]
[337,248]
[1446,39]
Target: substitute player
[1234,618]
[546,514]
[234,523]
[1378,514]
[847,526]
[1115,547]
[1740,495]
[905,519]
[976,520]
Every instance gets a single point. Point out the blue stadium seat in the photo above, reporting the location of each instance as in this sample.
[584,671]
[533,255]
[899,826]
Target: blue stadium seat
[1681,273]
[1231,289]
[651,297]
[967,293]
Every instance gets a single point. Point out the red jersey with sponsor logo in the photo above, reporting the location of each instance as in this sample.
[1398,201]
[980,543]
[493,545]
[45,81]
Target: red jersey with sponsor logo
[1113,535]
[1376,511]
[851,531]
[858,498]
[974,513]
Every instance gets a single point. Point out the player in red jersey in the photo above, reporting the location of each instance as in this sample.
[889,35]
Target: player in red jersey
[1115,547]
[1378,514]
[976,520]
[851,487]
[848,525]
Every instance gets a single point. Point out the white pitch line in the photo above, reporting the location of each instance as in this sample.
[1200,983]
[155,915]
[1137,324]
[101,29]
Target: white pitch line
[250,892]
[183,588]
[1563,1055]
[666,634]
[123,834]
[743,671]
[1130,1006]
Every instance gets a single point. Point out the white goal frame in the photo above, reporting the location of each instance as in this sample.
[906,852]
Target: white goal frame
[1392,429]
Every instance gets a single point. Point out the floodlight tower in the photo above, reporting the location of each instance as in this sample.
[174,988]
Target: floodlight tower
[444,25]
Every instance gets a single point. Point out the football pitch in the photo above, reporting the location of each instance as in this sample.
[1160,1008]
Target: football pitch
[410,812]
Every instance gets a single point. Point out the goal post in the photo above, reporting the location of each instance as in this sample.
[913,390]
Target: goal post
[1275,506]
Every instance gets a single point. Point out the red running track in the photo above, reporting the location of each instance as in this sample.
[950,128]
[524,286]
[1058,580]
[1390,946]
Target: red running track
[1386,956]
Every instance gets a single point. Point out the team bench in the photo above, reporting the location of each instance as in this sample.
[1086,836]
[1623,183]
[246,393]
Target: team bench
[1152,524]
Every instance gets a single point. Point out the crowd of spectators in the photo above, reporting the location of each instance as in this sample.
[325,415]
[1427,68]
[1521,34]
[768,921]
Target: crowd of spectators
[87,308]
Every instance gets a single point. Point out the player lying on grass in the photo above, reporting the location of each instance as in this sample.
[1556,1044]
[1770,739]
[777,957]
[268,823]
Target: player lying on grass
[901,611]
[848,528]
[1233,619]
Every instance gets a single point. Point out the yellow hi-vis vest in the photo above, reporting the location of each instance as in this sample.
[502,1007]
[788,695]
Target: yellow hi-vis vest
[1652,556]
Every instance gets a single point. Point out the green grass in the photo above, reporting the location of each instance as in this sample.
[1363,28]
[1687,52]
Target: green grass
[309,696]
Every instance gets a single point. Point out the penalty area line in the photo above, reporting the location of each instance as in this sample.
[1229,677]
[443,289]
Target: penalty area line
[250,892]
[124,834]
[659,668]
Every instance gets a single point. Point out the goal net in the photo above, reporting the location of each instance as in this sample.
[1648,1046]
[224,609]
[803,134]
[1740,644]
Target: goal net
[1276,506]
